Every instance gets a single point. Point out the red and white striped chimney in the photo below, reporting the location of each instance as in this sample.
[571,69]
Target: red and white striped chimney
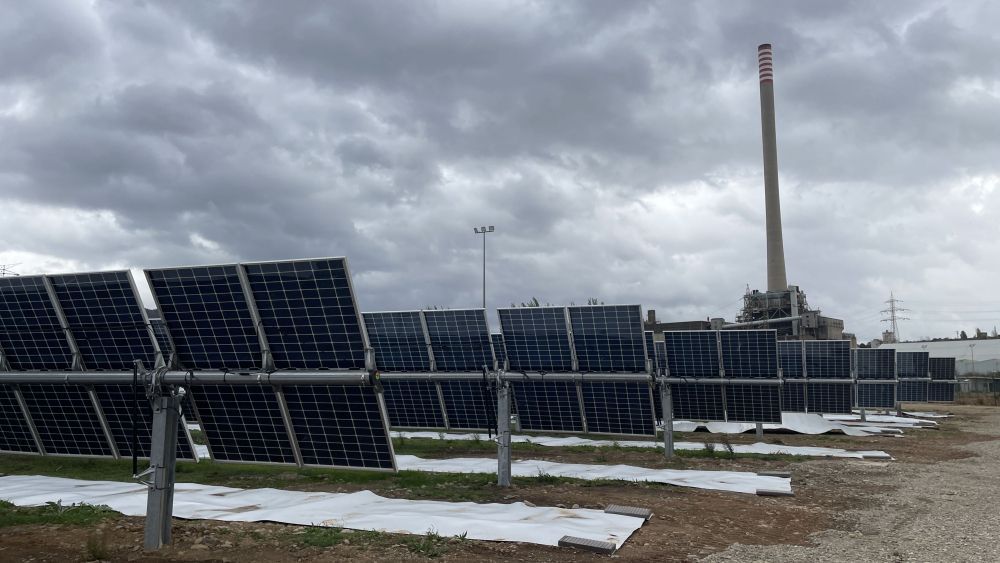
[776,279]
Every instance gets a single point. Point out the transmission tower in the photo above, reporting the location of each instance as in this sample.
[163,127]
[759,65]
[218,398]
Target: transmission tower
[5,270]
[893,316]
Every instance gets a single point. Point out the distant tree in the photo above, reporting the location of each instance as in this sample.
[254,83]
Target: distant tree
[533,302]
[594,301]
[963,336]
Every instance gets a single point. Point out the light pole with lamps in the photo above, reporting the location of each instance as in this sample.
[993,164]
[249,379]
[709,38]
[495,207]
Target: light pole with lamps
[483,231]
[972,350]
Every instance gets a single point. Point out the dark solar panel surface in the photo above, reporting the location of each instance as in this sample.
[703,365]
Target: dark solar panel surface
[749,353]
[116,403]
[340,426]
[398,341]
[162,339]
[941,368]
[913,391]
[412,403]
[793,396]
[547,405]
[106,319]
[30,334]
[608,338]
[65,419]
[536,339]
[875,363]
[830,398]
[208,317]
[499,350]
[460,340]
[469,403]
[618,407]
[242,422]
[790,360]
[698,401]
[748,402]
[650,348]
[876,395]
[941,392]
[15,435]
[693,354]
[828,359]
[661,356]
[912,365]
[308,313]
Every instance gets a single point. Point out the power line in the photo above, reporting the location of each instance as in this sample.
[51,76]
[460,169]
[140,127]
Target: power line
[5,270]
[893,315]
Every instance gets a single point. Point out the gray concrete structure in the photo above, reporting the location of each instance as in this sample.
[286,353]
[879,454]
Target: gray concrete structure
[776,278]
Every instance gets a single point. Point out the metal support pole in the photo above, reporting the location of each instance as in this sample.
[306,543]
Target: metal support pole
[864,417]
[162,462]
[503,434]
[667,402]
[760,430]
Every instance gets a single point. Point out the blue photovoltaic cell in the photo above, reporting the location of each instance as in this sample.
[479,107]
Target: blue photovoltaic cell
[398,341]
[650,348]
[116,404]
[547,405]
[913,391]
[106,320]
[608,338]
[912,365]
[749,353]
[308,313]
[30,334]
[242,422]
[749,402]
[831,398]
[15,435]
[470,404]
[875,363]
[65,419]
[536,339]
[697,401]
[460,340]
[876,395]
[339,426]
[499,350]
[162,339]
[661,356]
[828,359]
[793,396]
[693,354]
[941,391]
[790,359]
[941,368]
[618,407]
[412,403]
[208,317]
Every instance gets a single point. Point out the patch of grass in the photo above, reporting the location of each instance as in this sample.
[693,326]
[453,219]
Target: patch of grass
[198,437]
[709,449]
[430,544]
[322,537]
[728,445]
[53,513]
[97,547]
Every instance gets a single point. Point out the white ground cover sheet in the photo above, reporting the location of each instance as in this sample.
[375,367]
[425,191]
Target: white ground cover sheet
[564,441]
[802,423]
[923,414]
[733,481]
[880,420]
[359,511]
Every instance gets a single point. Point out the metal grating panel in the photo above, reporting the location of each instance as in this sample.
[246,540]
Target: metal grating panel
[876,395]
[875,363]
[547,405]
[30,334]
[106,319]
[749,402]
[412,403]
[398,341]
[308,314]
[15,434]
[790,360]
[828,359]
[470,404]
[116,404]
[65,419]
[618,407]
[941,368]
[608,338]
[749,353]
[208,317]
[460,340]
[693,354]
[698,401]
[536,339]
[339,426]
[242,422]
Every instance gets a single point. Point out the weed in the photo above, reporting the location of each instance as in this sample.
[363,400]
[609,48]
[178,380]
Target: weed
[430,544]
[476,438]
[97,547]
[52,513]
[709,449]
[726,443]
[322,537]
[198,437]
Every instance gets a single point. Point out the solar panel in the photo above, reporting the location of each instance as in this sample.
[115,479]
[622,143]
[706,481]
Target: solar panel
[242,422]
[339,426]
[608,338]
[749,402]
[830,398]
[116,405]
[65,418]
[470,405]
[790,360]
[398,341]
[875,363]
[460,339]
[749,353]
[876,395]
[106,319]
[499,349]
[162,338]
[828,359]
[912,365]
[31,336]
[548,405]
[15,434]
[661,356]
[692,354]
[618,407]
[208,317]
[941,391]
[412,403]
[941,368]
[308,313]
[697,401]
[536,339]
[913,391]
[793,396]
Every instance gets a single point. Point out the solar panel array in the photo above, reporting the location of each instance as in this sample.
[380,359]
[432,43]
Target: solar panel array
[816,376]
[31,336]
[536,339]
[941,388]
[608,338]
[875,373]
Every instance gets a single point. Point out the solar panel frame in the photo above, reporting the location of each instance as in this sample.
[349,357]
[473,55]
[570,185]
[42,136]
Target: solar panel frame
[460,340]
[875,364]
[941,369]
[67,420]
[913,391]
[791,359]
[608,338]
[828,397]
[749,354]
[827,359]
[469,404]
[618,407]
[31,334]
[413,403]
[398,340]
[537,339]
[548,405]
[115,400]
[243,438]
[875,395]
[698,401]
[941,391]
[794,396]
[912,365]
[753,402]
[692,354]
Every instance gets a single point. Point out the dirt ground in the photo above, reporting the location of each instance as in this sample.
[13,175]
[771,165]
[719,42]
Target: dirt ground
[832,496]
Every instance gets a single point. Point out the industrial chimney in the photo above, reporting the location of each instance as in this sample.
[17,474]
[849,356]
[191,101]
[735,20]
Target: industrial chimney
[776,279]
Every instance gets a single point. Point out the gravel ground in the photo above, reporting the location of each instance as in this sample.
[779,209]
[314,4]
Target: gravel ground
[944,511]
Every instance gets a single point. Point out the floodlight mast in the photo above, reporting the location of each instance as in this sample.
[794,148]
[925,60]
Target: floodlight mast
[483,231]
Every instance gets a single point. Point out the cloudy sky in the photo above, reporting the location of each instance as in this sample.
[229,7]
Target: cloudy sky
[614,145]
